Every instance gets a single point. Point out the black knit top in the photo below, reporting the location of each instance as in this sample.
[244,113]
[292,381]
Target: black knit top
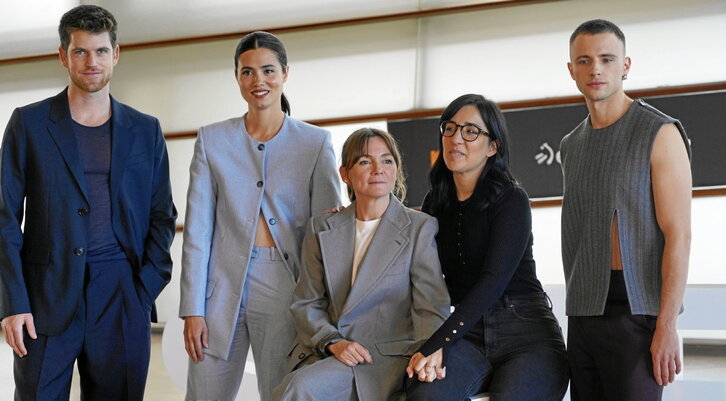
[485,253]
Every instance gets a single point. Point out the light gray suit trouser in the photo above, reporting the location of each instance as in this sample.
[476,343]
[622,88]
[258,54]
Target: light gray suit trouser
[324,380]
[265,323]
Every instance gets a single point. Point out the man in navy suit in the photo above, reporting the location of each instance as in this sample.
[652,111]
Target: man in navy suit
[90,178]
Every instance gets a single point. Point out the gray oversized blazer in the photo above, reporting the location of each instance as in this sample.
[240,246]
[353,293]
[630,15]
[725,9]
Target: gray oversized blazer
[398,300]
[290,178]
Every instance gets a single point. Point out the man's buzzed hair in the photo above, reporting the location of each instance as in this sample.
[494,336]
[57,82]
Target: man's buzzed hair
[596,26]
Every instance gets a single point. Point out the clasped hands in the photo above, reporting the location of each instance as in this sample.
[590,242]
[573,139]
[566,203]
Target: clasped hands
[427,368]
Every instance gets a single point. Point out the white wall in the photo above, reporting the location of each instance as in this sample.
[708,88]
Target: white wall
[507,54]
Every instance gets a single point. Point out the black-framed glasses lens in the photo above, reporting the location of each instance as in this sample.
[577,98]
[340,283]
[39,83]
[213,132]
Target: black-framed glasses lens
[469,132]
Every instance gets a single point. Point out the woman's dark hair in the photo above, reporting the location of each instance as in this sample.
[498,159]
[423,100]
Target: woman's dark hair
[496,171]
[265,40]
[356,147]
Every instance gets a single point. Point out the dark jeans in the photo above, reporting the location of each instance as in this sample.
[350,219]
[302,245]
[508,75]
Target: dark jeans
[515,353]
[610,354]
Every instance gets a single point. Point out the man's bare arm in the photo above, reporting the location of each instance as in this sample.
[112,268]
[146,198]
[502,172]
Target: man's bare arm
[671,180]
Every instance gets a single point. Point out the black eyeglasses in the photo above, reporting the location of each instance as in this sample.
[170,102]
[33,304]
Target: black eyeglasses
[469,131]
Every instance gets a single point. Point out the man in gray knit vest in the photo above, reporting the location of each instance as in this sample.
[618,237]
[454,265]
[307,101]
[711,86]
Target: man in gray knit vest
[625,229]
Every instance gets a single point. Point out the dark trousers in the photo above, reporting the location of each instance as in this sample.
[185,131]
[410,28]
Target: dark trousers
[109,337]
[609,355]
[515,353]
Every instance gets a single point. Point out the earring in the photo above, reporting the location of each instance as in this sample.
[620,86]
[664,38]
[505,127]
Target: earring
[625,76]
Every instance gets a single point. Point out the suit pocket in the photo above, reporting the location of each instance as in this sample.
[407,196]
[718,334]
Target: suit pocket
[395,348]
[210,289]
[143,295]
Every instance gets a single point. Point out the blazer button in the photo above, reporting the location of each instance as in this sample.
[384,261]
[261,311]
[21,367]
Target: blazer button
[261,146]
[78,251]
[272,221]
[259,184]
[286,256]
[301,356]
[82,212]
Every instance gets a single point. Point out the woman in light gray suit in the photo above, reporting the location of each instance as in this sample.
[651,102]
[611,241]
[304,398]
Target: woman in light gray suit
[255,182]
[371,288]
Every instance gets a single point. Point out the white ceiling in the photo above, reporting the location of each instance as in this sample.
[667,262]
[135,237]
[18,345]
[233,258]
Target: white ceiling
[29,27]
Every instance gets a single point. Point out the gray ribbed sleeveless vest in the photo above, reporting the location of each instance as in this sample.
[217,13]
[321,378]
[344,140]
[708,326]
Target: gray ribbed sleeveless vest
[607,171]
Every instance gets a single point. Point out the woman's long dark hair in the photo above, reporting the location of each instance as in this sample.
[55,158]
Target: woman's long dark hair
[265,40]
[495,175]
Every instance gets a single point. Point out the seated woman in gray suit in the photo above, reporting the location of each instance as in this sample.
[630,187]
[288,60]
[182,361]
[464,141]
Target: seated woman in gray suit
[370,289]
[255,182]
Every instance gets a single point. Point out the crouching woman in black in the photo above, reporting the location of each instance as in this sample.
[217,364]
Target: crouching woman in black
[502,337]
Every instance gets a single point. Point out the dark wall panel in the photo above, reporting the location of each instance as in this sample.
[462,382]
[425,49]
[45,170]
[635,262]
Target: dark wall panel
[535,136]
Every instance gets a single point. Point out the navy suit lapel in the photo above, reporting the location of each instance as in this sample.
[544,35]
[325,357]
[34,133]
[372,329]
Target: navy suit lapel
[60,127]
[385,246]
[336,247]
[122,138]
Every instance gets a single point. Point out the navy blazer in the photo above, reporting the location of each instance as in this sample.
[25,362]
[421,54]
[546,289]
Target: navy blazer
[42,265]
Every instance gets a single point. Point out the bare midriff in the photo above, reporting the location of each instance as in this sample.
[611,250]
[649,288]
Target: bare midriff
[616,260]
[263,236]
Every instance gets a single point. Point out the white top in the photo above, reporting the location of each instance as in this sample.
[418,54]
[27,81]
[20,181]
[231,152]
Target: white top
[364,232]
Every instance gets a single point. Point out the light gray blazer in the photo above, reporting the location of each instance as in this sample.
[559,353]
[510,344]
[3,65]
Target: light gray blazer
[398,300]
[290,178]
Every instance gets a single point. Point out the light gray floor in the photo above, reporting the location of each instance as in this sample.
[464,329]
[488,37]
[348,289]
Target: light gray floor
[702,364]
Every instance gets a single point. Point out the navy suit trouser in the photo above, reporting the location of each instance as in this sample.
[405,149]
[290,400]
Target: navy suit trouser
[109,337]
